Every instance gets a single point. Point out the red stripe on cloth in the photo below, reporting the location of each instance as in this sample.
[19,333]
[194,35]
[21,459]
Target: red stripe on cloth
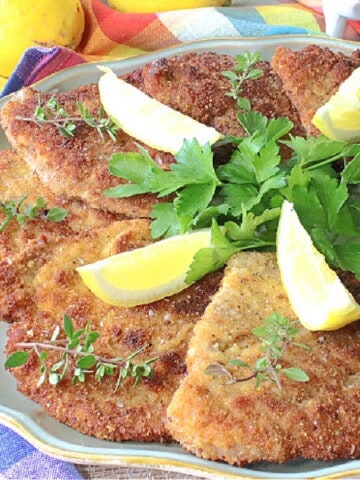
[155,36]
[64,58]
[355,25]
[120,27]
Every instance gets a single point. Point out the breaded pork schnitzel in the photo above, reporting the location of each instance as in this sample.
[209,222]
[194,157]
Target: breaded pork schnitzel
[193,84]
[75,168]
[318,419]
[163,328]
[23,249]
[311,76]
[78,167]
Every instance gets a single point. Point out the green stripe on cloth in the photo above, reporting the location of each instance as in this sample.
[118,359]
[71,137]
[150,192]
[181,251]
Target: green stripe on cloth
[290,15]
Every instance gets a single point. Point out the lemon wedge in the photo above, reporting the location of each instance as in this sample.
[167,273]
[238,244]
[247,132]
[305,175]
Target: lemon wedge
[145,274]
[148,120]
[339,118]
[317,295]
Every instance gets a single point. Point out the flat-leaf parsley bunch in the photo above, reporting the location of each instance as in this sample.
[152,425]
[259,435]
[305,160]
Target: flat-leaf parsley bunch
[241,199]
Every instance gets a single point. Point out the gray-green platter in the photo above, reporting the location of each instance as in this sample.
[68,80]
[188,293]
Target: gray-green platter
[51,437]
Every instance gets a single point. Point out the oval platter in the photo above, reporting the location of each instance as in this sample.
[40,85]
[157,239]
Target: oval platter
[57,440]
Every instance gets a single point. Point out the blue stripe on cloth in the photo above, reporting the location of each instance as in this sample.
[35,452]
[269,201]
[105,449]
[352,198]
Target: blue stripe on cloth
[249,23]
[31,57]
[20,460]
[12,449]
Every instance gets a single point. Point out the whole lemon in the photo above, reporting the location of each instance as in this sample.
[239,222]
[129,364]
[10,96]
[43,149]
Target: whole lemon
[3,80]
[139,6]
[45,23]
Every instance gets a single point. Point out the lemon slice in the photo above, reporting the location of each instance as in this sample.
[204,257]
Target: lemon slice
[145,274]
[339,118]
[317,295]
[148,120]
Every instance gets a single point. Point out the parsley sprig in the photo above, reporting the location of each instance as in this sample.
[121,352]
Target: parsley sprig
[276,334]
[18,210]
[79,344]
[53,112]
[241,199]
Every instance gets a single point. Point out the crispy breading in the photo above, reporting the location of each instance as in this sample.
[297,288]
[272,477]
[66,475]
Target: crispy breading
[23,249]
[78,167]
[193,84]
[39,284]
[163,327]
[319,419]
[75,168]
[311,76]
[18,179]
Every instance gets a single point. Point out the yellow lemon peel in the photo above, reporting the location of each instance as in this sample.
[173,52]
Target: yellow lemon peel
[339,118]
[145,274]
[139,6]
[316,293]
[45,23]
[148,120]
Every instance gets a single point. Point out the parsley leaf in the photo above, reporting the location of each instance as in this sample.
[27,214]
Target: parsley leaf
[211,258]
[165,221]
[241,199]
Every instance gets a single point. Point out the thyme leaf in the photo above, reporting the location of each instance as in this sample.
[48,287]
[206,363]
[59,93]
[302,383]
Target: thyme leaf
[244,70]
[79,345]
[53,112]
[276,334]
[18,210]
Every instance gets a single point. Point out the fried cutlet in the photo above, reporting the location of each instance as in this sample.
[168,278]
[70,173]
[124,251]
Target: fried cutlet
[163,328]
[78,167]
[194,85]
[311,76]
[217,420]
[75,168]
[24,248]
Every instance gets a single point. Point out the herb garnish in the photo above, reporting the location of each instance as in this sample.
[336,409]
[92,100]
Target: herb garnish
[276,334]
[18,210]
[241,199]
[52,112]
[244,70]
[79,344]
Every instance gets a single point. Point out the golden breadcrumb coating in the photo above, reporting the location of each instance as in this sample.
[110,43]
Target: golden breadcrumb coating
[319,419]
[311,76]
[163,328]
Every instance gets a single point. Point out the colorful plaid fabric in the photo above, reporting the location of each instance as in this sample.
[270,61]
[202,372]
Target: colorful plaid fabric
[21,461]
[111,34]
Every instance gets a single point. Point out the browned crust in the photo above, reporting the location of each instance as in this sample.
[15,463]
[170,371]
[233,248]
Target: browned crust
[319,419]
[163,327]
[77,167]
[194,85]
[311,76]
[24,249]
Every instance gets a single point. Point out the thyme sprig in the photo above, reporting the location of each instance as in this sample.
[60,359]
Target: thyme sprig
[79,344]
[18,210]
[244,70]
[276,334]
[53,112]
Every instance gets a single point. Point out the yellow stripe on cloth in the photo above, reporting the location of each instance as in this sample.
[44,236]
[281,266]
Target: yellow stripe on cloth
[293,15]
[124,51]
